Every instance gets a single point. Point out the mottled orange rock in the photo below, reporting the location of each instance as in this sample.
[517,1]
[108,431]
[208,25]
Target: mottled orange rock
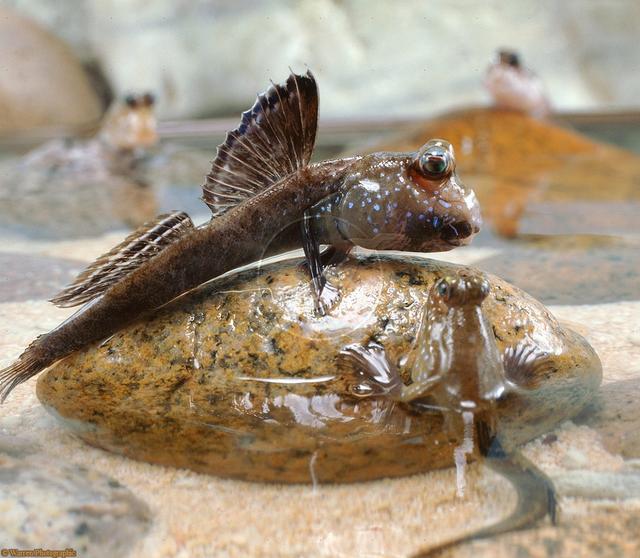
[239,378]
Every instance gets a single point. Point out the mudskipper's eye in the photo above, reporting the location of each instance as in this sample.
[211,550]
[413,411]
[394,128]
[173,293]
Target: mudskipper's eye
[131,101]
[148,99]
[509,58]
[442,288]
[435,161]
[484,288]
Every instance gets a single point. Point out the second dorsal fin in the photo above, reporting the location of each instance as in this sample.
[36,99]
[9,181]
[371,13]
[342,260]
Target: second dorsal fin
[274,139]
[140,246]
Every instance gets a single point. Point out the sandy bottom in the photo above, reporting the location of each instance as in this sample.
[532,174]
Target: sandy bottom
[598,481]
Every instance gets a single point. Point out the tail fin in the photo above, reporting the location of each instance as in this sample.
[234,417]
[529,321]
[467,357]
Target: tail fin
[536,500]
[27,366]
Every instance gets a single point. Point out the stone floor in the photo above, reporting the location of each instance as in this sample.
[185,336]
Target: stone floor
[59,493]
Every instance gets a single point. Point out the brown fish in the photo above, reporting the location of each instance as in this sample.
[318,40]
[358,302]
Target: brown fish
[266,198]
[457,369]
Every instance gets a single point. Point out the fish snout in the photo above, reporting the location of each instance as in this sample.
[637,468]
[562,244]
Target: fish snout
[459,233]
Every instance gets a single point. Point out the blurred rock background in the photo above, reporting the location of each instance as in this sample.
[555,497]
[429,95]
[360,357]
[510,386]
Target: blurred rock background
[210,57]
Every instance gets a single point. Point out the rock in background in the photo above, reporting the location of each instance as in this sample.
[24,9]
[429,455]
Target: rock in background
[207,57]
[53,505]
[42,83]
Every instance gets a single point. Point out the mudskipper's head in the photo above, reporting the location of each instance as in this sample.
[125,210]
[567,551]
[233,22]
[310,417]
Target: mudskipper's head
[131,124]
[456,291]
[456,343]
[514,87]
[412,202]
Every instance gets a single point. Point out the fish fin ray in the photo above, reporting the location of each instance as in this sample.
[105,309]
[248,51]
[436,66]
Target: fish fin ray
[526,365]
[274,139]
[139,247]
[25,367]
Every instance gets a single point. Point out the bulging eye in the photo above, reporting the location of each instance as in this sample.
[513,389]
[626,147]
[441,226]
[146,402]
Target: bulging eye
[148,99]
[131,101]
[485,288]
[435,160]
[443,288]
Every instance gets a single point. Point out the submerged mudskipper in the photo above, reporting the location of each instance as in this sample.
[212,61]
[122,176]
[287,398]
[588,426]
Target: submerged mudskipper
[458,370]
[266,198]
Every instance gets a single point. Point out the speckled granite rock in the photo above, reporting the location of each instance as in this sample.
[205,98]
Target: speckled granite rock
[615,413]
[585,270]
[243,383]
[49,504]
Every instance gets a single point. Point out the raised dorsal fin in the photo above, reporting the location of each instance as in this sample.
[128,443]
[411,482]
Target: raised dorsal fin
[274,139]
[140,246]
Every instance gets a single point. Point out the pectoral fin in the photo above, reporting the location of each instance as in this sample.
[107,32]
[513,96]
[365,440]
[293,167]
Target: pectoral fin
[325,294]
[374,374]
[526,365]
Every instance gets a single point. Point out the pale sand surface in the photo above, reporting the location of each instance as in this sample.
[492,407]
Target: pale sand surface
[199,515]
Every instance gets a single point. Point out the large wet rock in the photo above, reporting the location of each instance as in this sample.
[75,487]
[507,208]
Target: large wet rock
[239,378]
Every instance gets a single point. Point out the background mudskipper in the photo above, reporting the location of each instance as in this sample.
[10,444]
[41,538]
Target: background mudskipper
[242,383]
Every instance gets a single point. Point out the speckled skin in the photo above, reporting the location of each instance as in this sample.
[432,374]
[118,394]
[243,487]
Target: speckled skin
[384,205]
[186,387]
